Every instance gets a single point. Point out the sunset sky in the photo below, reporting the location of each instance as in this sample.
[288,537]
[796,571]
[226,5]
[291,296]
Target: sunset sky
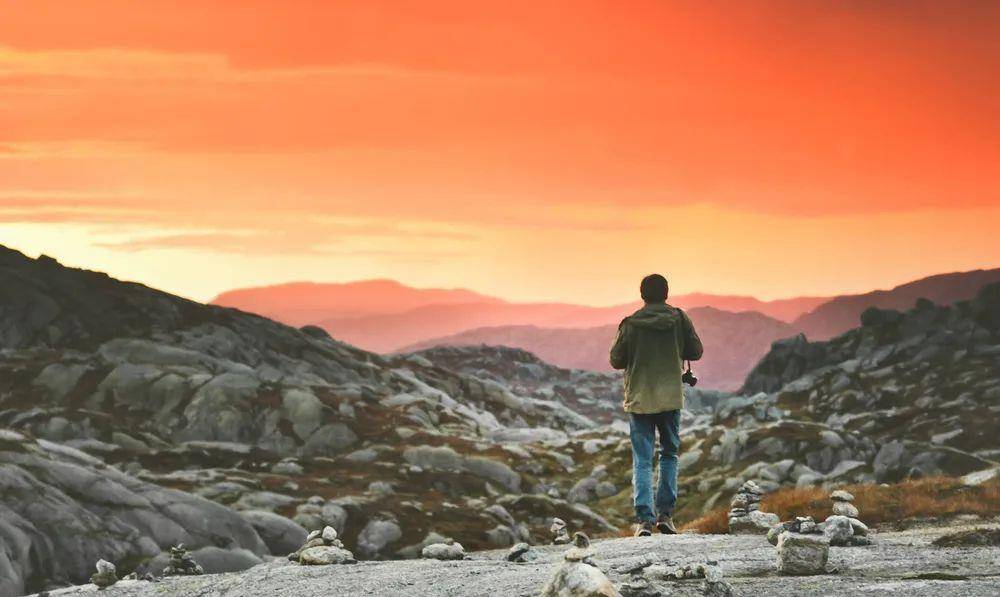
[529,150]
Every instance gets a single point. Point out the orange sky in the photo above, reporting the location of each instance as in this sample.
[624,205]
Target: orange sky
[530,150]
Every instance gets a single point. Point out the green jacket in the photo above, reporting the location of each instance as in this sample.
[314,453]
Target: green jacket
[650,346]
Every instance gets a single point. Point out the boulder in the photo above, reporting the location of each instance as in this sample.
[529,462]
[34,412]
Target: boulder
[377,536]
[280,534]
[838,530]
[800,554]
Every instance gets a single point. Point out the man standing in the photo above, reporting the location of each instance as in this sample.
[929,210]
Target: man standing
[651,346]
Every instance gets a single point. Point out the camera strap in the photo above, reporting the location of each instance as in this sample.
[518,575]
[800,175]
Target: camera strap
[688,366]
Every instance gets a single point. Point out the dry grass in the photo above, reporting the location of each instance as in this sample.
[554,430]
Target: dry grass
[934,497]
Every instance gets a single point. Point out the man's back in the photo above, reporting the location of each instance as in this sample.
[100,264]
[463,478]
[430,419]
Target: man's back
[651,346]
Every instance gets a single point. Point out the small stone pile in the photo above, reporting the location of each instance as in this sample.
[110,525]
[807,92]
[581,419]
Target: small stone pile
[842,505]
[322,548]
[800,524]
[560,535]
[522,553]
[843,527]
[448,550]
[646,585]
[745,515]
[105,576]
[578,576]
[181,563]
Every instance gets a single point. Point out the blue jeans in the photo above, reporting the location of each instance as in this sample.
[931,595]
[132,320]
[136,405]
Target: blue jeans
[642,429]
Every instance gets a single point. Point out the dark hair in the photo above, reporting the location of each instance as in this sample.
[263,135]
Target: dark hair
[654,288]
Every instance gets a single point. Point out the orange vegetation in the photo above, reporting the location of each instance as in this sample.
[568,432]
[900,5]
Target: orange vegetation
[933,497]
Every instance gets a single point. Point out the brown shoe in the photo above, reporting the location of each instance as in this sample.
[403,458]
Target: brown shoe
[665,525]
[644,529]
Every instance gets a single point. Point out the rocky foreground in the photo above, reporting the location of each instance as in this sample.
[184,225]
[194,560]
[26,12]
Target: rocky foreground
[903,563]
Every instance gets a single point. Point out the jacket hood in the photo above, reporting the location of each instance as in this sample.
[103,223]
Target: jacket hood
[657,316]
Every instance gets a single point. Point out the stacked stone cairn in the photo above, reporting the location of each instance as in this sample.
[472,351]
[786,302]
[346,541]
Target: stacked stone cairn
[522,553]
[181,563]
[648,577]
[448,550]
[578,575]
[844,527]
[560,535]
[322,548]
[105,576]
[745,515]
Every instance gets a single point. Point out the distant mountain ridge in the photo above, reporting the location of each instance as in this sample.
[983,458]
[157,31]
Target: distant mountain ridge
[842,313]
[301,303]
[386,316]
[733,343]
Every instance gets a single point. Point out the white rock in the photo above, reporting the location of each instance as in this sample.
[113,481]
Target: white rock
[329,534]
[577,579]
[845,509]
[841,496]
[443,551]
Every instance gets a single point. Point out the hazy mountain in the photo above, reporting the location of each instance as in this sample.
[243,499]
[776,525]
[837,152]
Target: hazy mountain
[733,343]
[385,316]
[781,309]
[843,312]
[301,303]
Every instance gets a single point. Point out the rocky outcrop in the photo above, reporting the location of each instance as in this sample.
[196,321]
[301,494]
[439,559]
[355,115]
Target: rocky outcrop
[175,397]
[61,506]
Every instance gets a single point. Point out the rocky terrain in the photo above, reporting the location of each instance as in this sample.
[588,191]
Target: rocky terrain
[132,420]
[103,382]
[904,563]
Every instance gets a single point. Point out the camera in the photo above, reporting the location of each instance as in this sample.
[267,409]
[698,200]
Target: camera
[689,378]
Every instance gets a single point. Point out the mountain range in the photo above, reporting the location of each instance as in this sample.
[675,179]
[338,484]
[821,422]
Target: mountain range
[385,316]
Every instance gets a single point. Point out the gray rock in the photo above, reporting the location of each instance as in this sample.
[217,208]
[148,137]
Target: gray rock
[377,536]
[334,515]
[287,467]
[860,528]
[841,496]
[753,523]
[280,534]
[443,551]
[845,509]
[106,574]
[838,530]
[522,553]
[322,555]
[800,554]
[576,576]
